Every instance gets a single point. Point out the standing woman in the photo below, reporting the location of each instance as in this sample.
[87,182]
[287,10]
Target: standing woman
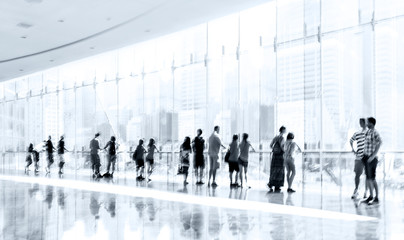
[29,157]
[243,159]
[151,147]
[290,148]
[185,151]
[277,173]
[233,161]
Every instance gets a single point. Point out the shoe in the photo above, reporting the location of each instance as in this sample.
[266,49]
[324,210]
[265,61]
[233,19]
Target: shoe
[185,183]
[277,190]
[236,185]
[271,190]
[149,180]
[208,184]
[60,172]
[214,184]
[269,186]
[355,195]
[290,190]
[201,183]
[374,201]
[370,198]
[47,170]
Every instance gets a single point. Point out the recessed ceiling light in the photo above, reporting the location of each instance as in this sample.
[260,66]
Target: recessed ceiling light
[108,19]
[51,60]
[24,37]
[21,70]
[92,47]
[61,20]
[147,30]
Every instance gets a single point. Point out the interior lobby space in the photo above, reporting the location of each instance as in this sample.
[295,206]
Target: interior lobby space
[101,102]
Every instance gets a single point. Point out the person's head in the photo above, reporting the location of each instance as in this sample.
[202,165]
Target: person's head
[62,137]
[141,141]
[199,132]
[282,130]
[97,134]
[49,137]
[113,138]
[362,122]
[31,145]
[151,141]
[235,137]
[290,136]
[371,123]
[217,129]
[187,143]
[245,136]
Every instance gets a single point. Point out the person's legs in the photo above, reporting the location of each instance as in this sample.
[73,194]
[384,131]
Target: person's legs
[61,162]
[109,159]
[241,167]
[245,172]
[211,162]
[231,178]
[113,161]
[292,176]
[215,165]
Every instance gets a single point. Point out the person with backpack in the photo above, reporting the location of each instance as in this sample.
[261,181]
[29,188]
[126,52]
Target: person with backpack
[49,150]
[198,146]
[138,157]
[233,161]
[111,156]
[244,146]
[277,172]
[61,153]
[151,147]
[35,152]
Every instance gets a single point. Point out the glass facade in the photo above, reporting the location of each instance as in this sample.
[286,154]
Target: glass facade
[292,62]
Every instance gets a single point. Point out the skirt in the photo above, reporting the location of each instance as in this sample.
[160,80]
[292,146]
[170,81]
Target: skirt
[277,172]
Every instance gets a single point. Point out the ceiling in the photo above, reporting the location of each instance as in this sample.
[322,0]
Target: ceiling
[40,34]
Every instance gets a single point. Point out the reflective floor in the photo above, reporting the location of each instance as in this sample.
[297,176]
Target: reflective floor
[72,207]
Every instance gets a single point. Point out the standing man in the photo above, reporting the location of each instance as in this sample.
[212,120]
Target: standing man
[49,151]
[373,142]
[198,146]
[359,138]
[95,158]
[111,156]
[214,148]
[61,152]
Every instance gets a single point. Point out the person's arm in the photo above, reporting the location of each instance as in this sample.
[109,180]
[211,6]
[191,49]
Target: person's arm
[155,147]
[298,148]
[379,143]
[251,146]
[106,145]
[353,138]
[271,145]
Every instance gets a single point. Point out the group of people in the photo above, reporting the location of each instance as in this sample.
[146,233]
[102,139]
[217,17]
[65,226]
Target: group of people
[368,143]
[46,145]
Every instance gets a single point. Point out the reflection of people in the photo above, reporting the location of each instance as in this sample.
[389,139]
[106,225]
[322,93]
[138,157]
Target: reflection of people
[151,209]
[197,221]
[95,205]
[49,151]
[61,198]
[277,172]
[33,190]
[245,146]
[185,151]
[214,147]
[198,146]
[111,207]
[49,196]
[111,156]
[30,151]
[290,148]
[359,138]
[61,153]
[373,142]
[151,147]
[95,158]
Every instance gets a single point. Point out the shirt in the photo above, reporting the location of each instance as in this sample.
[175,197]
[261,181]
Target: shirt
[359,137]
[94,145]
[244,150]
[111,148]
[140,150]
[198,145]
[150,151]
[61,147]
[289,149]
[184,153]
[372,138]
[49,146]
[214,144]
[234,152]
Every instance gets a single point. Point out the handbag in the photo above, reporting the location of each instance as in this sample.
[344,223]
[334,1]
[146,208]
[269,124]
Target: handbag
[227,156]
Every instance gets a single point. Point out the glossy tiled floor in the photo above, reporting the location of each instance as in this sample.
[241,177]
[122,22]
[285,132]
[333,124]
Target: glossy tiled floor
[39,207]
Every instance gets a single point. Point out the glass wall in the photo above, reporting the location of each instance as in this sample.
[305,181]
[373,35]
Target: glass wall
[288,62]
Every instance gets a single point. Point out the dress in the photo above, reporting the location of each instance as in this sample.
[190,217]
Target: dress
[277,172]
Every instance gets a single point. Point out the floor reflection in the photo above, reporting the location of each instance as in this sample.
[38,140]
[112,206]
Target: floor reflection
[33,211]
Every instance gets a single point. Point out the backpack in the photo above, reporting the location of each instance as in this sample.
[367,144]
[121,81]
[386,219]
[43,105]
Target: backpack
[134,155]
[227,156]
